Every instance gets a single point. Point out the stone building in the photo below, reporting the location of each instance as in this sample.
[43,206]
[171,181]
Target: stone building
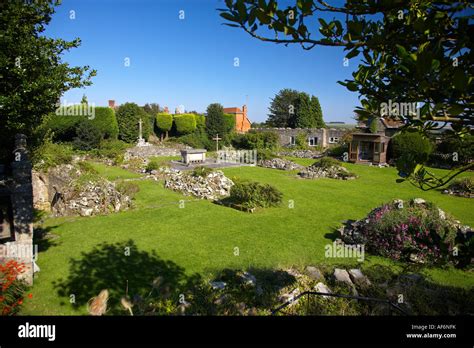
[322,137]
[16,210]
[242,123]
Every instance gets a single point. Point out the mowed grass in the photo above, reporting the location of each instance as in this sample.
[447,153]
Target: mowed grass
[202,237]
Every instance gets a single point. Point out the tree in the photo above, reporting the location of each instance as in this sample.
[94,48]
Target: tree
[215,122]
[128,117]
[303,117]
[33,75]
[317,113]
[412,52]
[283,108]
[164,122]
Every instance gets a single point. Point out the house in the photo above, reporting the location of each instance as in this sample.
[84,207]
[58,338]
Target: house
[322,137]
[242,123]
[370,143]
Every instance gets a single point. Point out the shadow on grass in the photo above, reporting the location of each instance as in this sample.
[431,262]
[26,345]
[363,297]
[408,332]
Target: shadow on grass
[122,269]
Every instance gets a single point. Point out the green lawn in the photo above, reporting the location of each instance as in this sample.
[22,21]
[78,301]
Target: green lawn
[202,237]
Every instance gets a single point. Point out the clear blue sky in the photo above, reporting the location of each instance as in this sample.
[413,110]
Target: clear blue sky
[190,61]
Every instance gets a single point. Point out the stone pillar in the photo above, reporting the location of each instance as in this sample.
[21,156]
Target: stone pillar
[22,207]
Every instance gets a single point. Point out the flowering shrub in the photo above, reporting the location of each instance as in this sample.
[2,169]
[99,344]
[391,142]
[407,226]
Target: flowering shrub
[416,232]
[11,289]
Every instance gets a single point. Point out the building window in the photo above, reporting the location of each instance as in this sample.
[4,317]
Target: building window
[333,140]
[312,141]
[292,140]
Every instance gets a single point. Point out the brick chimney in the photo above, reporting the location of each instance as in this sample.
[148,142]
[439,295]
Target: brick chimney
[244,110]
[112,104]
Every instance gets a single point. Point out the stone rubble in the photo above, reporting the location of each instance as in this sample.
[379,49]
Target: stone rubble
[333,172]
[67,198]
[279,163]
[301,154]
[214,186]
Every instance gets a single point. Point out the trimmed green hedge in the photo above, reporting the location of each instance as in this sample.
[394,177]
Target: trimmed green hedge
[128,116]
[64,127]
[185,123]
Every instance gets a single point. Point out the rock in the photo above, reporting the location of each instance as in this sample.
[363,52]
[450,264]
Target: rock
[442,214]
[341,275]
[214,186]
[278,163]
[249,279]
[419,201]
[301,154]
[290,297]
[359,278]
[398,203]
[321,287]
[218,285]
[314,273]
[334,172]
[86,211]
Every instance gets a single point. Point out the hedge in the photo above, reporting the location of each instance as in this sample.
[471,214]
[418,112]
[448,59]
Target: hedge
[65,126]
[164,122]
[230,122]
[185,123]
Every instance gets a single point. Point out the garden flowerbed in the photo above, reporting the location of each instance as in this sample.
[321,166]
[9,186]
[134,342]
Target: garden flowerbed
[415,231]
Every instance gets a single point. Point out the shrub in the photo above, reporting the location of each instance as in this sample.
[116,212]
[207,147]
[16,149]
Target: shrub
[87,136]
[50,155]
[254,194]
[197,140]
[326,162]
[264,154]
[409,149]
[256,140]
[463,147]
[153,164]
[200,122]
[111,148]
[164,122]
[202,171]
[86,167]
[127,188]
[230,122]
[416,231]
[185,123]
[128,116]
[301,142]
[465,185]
[11,288]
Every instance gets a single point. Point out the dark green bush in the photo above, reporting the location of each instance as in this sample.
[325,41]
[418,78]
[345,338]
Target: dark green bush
[256,140]
[326,162]
[409,149]
[185,123]
[444,153]
[87,136]
[254,195]
[197,140]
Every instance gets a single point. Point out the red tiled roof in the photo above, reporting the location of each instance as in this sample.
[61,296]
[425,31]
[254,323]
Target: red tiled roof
[232,110]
